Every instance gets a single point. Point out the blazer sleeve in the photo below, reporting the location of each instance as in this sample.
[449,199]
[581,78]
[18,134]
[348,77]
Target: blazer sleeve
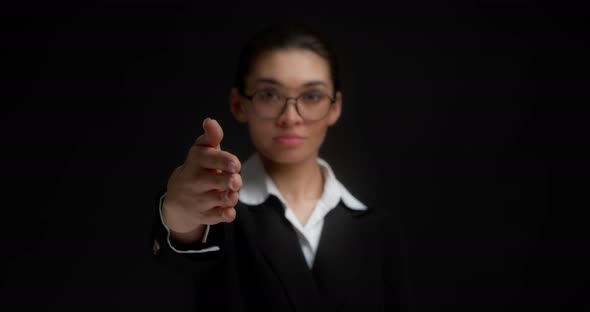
[194,258]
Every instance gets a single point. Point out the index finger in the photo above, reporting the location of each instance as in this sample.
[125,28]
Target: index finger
[214,159]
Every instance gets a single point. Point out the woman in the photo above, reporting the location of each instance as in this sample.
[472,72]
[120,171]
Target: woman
[278,232]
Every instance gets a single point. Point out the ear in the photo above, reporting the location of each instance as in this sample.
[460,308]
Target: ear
[335,109]
[236,106]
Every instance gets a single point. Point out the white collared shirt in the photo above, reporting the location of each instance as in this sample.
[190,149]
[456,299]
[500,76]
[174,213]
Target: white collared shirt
[256,188]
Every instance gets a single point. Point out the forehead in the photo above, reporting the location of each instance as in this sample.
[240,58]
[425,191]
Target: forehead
[292,68]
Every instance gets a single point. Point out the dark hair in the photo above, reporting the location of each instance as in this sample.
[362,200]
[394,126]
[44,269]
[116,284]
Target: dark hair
[284,36]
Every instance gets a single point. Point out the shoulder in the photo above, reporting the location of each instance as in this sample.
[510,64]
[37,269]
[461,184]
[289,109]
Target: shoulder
[385,217]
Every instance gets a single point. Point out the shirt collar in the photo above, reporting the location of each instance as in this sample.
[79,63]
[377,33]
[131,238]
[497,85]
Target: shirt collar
[257,186]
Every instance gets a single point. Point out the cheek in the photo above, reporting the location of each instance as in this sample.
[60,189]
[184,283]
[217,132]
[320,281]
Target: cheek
[318,135]
[260,133]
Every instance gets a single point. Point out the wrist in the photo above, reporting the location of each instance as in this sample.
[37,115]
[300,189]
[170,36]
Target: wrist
[180,228]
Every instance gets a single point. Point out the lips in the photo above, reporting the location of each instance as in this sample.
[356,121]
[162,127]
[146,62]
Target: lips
[289,139]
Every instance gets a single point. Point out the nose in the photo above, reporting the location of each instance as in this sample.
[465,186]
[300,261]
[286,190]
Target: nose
[289,116]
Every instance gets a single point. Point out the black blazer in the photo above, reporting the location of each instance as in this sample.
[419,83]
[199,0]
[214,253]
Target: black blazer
[358,266]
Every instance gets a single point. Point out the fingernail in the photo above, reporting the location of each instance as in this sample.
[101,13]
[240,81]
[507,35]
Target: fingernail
[231,167]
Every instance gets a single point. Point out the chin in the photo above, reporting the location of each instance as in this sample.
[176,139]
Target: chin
[287,156]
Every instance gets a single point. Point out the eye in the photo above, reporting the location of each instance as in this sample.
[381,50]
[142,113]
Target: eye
[312,97]
[268,95]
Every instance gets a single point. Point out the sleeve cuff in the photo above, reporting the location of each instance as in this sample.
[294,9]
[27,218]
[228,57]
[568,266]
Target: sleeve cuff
[175,247]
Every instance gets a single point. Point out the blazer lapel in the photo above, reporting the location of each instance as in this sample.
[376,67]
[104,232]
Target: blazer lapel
[341,254]
[279,245]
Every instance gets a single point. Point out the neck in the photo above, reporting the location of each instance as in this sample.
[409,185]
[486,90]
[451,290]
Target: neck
[297,182]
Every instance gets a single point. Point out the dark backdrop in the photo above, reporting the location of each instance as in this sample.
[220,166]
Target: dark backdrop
[441,119]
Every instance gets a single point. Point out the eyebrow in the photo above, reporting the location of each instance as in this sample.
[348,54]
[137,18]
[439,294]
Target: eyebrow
[315,83]
[277,83]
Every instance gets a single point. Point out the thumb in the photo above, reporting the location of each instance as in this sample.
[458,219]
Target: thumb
[213,132]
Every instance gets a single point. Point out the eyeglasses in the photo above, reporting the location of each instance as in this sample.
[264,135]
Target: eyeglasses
[270,104]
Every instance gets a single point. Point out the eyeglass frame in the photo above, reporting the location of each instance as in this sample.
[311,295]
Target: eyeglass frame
[287,98]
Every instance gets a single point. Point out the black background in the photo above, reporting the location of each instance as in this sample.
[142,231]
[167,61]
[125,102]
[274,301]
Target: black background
[442,117]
